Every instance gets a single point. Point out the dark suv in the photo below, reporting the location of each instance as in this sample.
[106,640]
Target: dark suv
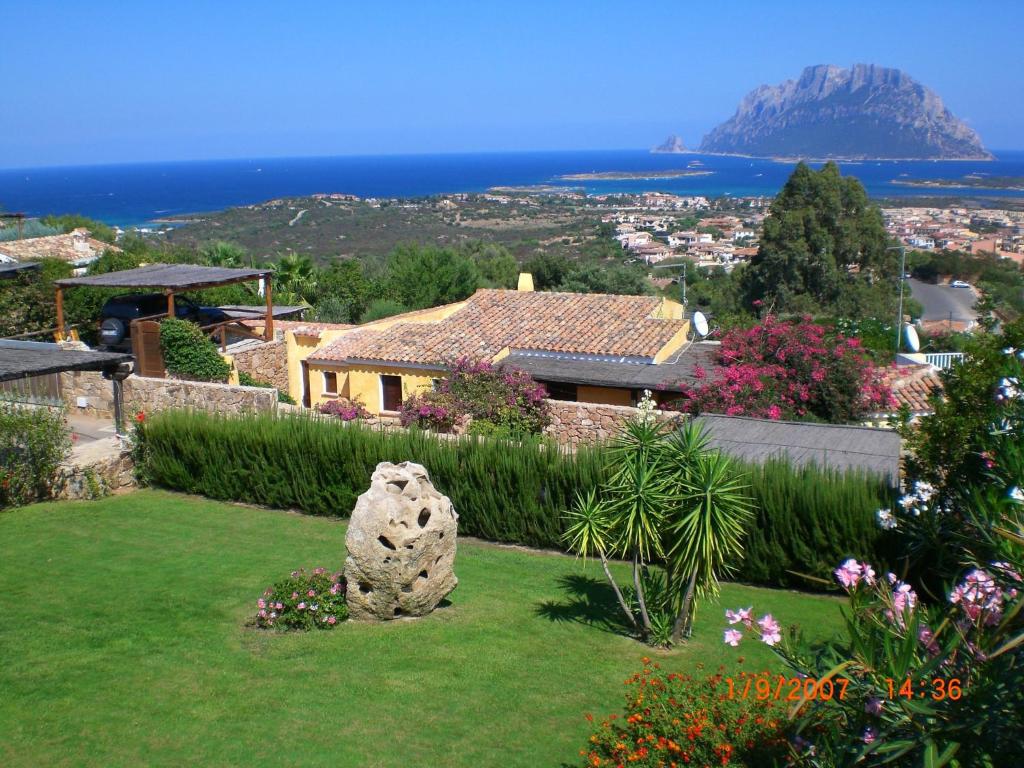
[119,311]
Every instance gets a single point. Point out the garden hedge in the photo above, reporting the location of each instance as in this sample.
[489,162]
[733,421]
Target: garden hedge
[507,491]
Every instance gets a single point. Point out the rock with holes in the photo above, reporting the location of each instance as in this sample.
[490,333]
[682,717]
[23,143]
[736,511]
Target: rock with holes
[401,546]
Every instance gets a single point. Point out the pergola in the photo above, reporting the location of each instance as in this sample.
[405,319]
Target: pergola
[171,279]
[28,359]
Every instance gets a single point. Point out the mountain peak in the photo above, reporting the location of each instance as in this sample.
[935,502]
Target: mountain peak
[864,112]
[672,145]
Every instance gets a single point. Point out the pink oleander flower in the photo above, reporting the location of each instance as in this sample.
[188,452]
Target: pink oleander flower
[301,606]
[335,588]
[295,595]
[740,615]
[869,735]
[331,620]
[261,603]
[262,614]
[732,637]
[771,632]
[311,593]
[979,597]
[279,606]
[849,573]
[868,573]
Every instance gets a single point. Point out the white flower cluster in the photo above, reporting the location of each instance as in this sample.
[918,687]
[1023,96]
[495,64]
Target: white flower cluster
[1010,389]
[645,408]
[886,519]
[916,501]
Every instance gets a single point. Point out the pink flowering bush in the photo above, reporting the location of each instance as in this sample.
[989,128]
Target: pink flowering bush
[303,601]
[506,399]
[915,679]
[430,410]
[344,409]
[786,370]
[935,659]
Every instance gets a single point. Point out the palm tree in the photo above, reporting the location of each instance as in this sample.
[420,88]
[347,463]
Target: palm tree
[222,254]
[295,278]
[639,494]
[705,533]
[588,532]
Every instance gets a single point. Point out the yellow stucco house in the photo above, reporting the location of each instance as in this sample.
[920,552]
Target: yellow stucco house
[594,348]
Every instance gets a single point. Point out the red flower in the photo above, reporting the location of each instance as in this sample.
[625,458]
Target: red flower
[140,417]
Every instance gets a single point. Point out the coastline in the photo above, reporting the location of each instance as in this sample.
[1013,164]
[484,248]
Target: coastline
[631,175]
[832,158]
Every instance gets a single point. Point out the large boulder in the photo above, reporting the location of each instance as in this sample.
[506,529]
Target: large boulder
[401,546]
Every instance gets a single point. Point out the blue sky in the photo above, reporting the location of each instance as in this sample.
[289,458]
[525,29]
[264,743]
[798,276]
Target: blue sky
[106,82]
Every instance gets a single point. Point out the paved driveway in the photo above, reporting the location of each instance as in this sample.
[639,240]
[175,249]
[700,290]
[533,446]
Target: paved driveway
[940,302]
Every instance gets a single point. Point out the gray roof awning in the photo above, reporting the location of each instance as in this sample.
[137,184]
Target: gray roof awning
[663,376]
[172,276]
[837,446]
[20,359]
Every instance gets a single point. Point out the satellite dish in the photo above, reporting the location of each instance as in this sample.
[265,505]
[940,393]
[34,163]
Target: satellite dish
[910,334]
[700,323]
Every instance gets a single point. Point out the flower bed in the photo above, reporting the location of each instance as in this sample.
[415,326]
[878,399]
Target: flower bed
[304,601]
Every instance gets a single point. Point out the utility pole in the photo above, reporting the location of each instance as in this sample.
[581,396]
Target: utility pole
[903,271]
[682,278]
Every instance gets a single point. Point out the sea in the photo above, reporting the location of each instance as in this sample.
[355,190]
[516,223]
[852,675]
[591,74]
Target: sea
[137,194]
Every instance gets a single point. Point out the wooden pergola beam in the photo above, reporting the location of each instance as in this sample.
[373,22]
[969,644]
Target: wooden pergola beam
[60,313]
[268,324]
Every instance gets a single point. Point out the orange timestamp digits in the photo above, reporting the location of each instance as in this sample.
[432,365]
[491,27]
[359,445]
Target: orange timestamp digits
[782,688]
[938,688]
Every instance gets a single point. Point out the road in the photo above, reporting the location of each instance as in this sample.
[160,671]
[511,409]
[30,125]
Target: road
[940,302]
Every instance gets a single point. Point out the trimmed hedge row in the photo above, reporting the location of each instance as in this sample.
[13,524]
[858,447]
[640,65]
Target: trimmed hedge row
[508,491]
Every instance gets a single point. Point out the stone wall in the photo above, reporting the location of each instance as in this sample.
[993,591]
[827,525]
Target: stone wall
[266,362]
[154,395]
[574,423]
[95,470]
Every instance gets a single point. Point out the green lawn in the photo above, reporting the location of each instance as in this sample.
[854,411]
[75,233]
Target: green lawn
[124,641]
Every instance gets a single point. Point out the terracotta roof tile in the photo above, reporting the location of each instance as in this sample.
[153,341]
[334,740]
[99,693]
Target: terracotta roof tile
[913,385]
[300,327]
[492,320]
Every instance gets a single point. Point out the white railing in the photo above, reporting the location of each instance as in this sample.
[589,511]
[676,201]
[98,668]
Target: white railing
[943,359]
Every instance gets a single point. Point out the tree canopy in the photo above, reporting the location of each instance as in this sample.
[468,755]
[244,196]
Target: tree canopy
[822,241]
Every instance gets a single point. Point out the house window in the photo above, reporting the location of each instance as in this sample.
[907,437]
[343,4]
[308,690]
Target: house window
[330,383]
[560,391]
[391,393]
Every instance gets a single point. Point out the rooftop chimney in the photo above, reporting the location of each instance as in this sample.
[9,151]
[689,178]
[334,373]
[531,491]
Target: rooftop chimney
[525,282]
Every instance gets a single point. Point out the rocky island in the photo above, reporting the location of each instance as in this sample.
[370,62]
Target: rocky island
[632,175]
[673,145]
[865,112]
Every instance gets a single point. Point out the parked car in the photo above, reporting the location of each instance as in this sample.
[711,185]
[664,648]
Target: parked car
[959,284]
[119,311]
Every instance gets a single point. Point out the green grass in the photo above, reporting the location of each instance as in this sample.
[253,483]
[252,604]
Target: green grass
[124,641]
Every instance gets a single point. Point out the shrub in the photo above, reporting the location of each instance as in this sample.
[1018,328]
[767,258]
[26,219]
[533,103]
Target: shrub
[304,601]
[806,519]
[344,409]
[508,491]
[189,353]
[508,399]
[786,370]
[435,412]
[33,443]
[675,719]
[246,379]
[503,490]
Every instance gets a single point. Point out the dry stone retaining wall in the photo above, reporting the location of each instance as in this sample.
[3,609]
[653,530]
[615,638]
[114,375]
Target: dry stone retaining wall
[154,395]
[267,362]
[575,423]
